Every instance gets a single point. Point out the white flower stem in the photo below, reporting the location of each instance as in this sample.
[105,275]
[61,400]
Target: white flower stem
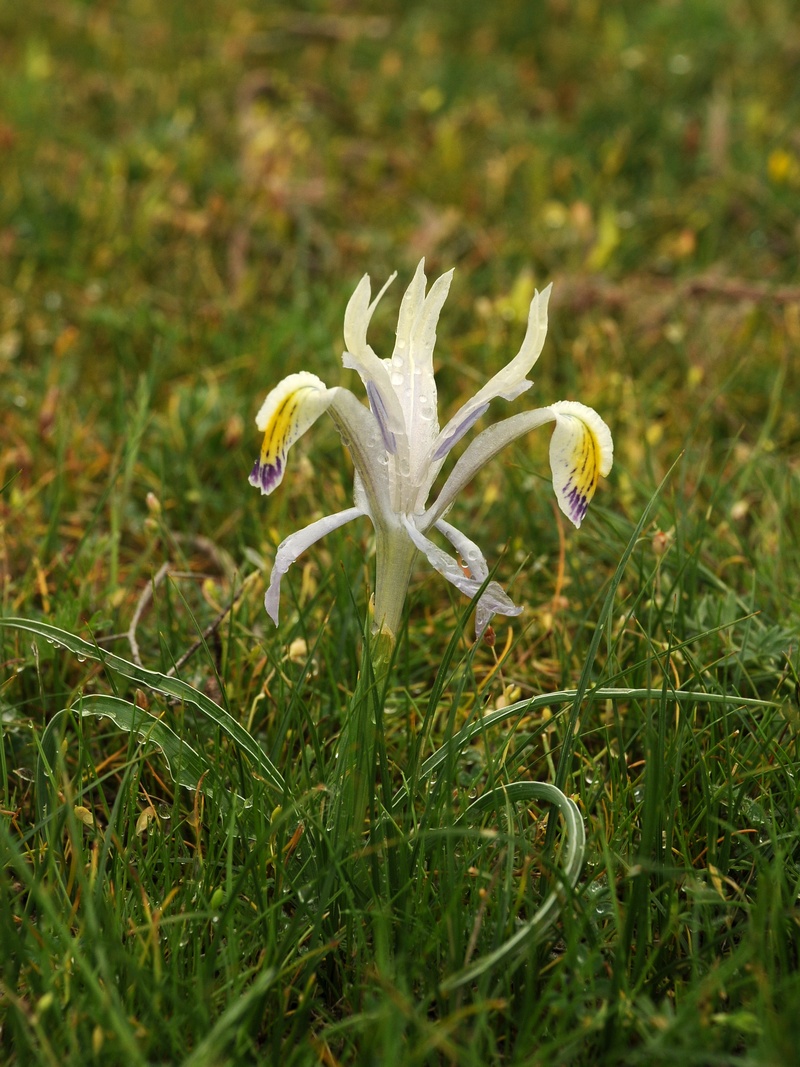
[395,555]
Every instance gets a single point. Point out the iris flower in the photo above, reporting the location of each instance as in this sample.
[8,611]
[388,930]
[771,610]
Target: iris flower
[398,449]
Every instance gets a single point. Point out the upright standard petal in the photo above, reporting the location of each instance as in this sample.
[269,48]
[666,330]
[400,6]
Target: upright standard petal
[507,383]
[410,307]
[374,372]
[292,406]
[581,450]
[412,359]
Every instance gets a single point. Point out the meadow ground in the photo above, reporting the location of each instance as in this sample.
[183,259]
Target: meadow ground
[189,193]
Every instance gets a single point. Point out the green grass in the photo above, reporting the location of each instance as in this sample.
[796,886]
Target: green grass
[188,196]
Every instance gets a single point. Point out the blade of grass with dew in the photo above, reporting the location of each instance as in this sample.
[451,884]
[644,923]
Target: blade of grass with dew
[605,613]
[159,683]
[547,913]
[567,697]
[186,766]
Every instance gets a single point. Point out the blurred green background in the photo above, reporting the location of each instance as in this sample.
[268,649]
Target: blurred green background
[189,192]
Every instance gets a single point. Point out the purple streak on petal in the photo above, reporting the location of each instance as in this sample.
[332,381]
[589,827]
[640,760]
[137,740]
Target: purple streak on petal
[381,416]
[266,477]
[455,435]
[578,504]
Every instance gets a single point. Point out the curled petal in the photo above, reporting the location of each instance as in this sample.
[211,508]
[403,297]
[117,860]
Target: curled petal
[493,599]
[478,568]
[292,406]
[357,316]
[507,383]
[293,546]
[581,450]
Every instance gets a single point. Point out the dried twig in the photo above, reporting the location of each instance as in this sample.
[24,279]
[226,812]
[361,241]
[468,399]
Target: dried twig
[209,630]
[145,600]
[142,604]
[583,293]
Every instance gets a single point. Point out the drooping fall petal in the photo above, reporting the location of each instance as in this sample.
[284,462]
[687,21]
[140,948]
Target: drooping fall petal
[581,450]
[290,408]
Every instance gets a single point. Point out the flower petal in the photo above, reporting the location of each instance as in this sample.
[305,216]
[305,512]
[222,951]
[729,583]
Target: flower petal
[410,307]
[288,411]
[478,568]
[374,372]
[361,435]
[293,546]
[478,453]
[357,316]
[581,450]
[412,360]
[507,383]
[493,599]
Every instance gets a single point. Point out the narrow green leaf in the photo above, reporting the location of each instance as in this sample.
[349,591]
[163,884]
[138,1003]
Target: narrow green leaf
[186,766]
[159,683]
[546,915]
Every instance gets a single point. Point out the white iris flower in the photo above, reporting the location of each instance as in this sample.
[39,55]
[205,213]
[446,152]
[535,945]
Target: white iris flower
[398,449]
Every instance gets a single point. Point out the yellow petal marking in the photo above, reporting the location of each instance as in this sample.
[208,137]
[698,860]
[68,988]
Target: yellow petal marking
[292,406]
